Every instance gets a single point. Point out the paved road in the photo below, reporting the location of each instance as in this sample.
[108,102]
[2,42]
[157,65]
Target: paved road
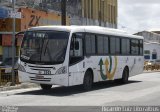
[141,90]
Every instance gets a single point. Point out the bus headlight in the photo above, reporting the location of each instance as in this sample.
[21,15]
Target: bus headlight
[62,70]
[21,68]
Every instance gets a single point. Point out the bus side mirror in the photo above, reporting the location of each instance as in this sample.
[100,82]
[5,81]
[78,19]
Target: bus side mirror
[18,38]
[76,45]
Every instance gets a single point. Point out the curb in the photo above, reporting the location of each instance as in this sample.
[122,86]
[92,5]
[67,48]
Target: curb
[20,86]
[151,71]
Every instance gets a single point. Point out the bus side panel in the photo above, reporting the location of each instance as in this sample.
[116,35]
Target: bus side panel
[121,63]
[136,65]
[104,67]
[76,74]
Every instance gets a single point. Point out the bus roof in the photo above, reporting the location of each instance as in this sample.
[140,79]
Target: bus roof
[90,29]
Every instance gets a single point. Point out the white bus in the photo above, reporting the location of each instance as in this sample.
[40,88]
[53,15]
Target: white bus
[75,55]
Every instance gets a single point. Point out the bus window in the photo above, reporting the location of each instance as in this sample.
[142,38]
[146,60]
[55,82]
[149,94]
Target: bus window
[41,47]
[90,45]
[134,47]
[100,44]
[76,48]
[125,46]
[113,45]
[141,47]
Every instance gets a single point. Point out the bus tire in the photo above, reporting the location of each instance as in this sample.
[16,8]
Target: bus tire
[125,76]
[45,87]
[88,80]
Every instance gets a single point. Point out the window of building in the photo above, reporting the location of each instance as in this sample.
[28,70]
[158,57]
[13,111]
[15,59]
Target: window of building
[146,52]
[147,57]
[154,56]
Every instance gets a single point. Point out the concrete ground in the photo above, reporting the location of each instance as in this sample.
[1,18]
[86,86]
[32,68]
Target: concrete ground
[141,90]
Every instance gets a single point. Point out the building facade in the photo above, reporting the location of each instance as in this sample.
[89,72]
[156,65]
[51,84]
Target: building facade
[29,18]
[149,36]
[48,12]
[151,45]
[100,12]
[155,30]
[81,12]
[151,51]
[87,12]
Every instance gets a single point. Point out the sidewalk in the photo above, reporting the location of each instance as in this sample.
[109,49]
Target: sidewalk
[19,86]
[151,71]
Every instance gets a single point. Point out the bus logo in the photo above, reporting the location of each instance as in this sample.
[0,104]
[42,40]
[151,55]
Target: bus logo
[108,65]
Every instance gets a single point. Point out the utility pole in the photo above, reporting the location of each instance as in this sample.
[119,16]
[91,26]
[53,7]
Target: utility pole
[63,11]
[13,43]
[99,12]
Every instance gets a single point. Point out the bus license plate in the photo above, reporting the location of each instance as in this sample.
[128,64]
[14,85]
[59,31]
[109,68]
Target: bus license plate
[39,77]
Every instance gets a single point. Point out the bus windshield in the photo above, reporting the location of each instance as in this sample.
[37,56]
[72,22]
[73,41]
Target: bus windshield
[44,47]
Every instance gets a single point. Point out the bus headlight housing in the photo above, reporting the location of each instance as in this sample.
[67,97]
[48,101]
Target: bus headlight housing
[21,68]
[62,70]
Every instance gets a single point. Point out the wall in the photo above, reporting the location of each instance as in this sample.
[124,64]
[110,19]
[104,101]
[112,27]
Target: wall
[154,48]
[149,36]
[32,17]
[6,25]
[88,12]
[102,13]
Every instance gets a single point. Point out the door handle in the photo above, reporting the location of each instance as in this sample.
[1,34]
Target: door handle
[83,64]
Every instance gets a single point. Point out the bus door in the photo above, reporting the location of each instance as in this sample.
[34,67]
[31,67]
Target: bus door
[76,64]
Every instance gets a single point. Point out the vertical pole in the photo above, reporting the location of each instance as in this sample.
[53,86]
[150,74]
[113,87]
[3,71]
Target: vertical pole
[99,12]
[13,42]
[0,77]
[63,11]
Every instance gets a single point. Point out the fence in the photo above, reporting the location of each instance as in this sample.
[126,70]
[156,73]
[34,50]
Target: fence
[6,76]
[151,67]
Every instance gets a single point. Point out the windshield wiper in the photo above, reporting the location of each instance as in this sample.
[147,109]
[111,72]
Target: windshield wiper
[41,49]
[46,48]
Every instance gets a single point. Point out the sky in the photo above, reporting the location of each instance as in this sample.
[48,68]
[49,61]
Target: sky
[138,15]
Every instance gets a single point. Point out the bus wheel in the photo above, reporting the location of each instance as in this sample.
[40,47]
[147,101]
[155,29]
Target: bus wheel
[46,87]
[125,76]
[88,81]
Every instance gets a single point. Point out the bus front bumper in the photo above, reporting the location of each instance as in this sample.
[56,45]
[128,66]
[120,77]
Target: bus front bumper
[44,79]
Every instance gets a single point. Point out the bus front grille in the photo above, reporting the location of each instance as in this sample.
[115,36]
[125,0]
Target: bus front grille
[42,79]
